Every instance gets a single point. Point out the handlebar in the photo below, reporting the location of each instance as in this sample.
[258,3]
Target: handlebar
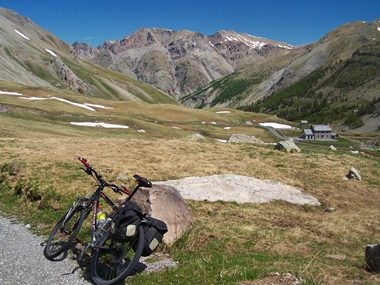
[141,181]
[84,161]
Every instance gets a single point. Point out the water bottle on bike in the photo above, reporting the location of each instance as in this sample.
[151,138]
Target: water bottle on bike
[102,223]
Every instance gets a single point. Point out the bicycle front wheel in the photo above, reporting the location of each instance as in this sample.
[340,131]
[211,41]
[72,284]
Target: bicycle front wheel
[64,232]
[113,261]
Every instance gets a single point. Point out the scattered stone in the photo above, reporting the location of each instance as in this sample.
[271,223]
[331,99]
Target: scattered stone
[165,203]
[339,257]
[354,174]
[160,263]
[288,146]
[243,138]
[275,279]
[330,210]
[248,123]
[354,151]
[28,226]
[332,147]
[372,257]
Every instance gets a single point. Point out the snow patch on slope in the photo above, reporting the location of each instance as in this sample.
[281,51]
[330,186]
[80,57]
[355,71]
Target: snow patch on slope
[22,35]
[51,52]
[10,93]
[100,124]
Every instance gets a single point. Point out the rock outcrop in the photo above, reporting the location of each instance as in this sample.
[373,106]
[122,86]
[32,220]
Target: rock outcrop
[69,77]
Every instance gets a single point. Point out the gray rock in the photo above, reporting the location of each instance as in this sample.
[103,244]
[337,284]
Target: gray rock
[339,257]
[237,188]
[354,174]
[288,146]
[332,148]
[165,203]
[330,210]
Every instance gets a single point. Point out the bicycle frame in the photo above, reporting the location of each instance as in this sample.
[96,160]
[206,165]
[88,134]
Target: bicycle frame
[95,197]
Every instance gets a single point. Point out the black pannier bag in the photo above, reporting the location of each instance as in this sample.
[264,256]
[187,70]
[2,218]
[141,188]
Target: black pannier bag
[154,230]
[126,221]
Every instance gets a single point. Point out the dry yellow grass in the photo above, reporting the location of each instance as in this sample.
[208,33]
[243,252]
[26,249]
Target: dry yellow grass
[281,228]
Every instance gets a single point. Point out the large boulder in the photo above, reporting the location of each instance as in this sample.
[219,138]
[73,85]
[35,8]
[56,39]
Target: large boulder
[165,203]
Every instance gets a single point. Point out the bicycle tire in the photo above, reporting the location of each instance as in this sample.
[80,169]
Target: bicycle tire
[51,250]
[103,265]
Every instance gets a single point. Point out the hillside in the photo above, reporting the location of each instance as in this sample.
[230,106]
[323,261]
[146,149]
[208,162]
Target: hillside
[32,56]
[323,82]
[180,62]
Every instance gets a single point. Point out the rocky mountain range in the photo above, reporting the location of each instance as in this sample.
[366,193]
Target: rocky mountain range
[336,79]
[33,57]
[180,62]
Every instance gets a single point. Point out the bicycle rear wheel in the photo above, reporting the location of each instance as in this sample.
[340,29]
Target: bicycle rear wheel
[64,232]
[113,261]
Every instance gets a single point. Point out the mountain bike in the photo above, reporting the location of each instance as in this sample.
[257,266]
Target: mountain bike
[111,261]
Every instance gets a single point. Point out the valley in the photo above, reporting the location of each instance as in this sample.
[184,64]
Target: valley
[164,103]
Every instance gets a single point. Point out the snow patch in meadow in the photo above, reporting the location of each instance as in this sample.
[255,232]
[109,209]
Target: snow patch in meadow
[97,106]
[276,126]
[21,34]
[141,131]
[174,127]
[100,124]
[227,128]
[378,28]
[213,123]
[10,93]
[73,103]
[222,141]
[223,112]
[34,98]
[51,52]
[59,99]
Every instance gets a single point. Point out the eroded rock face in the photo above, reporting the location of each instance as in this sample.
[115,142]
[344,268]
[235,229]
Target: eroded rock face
[165,203]
[69,77]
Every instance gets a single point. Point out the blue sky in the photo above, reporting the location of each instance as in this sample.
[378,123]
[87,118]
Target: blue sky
[292,21]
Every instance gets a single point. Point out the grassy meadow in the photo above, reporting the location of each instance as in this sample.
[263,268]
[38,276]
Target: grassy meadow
[228,243]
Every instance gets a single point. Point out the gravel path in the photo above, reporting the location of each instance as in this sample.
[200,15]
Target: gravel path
[22,260]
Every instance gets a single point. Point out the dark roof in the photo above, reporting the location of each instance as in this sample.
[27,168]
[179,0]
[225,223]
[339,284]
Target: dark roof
[308,132]
[322,128]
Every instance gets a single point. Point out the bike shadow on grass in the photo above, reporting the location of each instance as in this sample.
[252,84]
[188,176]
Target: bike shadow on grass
[84,262]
